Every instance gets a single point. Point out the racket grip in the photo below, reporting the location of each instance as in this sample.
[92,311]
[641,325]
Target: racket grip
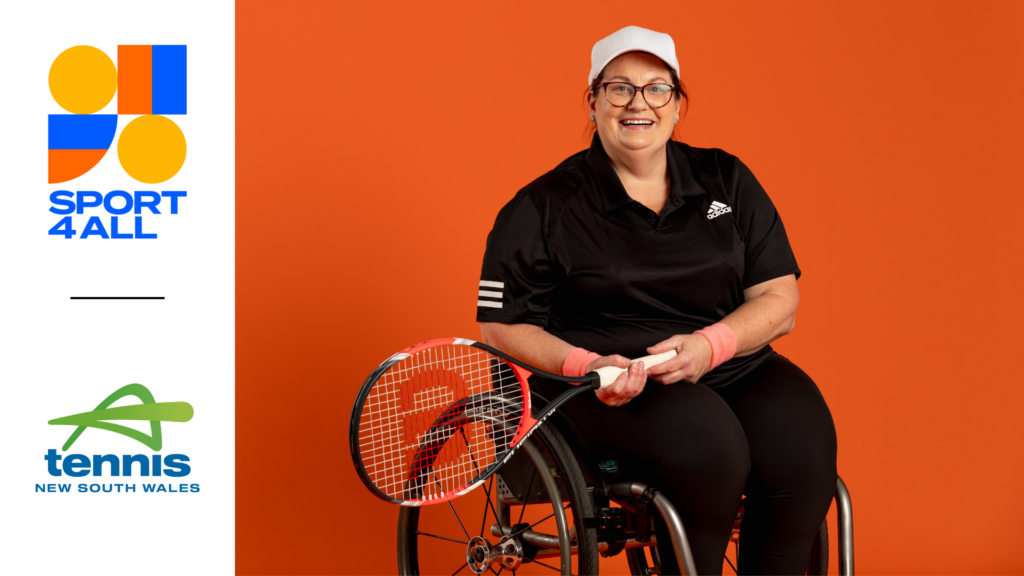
[608,374]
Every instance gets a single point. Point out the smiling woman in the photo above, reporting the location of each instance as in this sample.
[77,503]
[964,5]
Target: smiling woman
[641,245]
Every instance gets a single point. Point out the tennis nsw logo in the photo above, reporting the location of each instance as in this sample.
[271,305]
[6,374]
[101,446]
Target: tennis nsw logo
[148,465]
[150,84]
[717,209]
[490,294]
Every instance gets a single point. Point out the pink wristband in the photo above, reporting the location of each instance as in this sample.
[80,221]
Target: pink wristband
[723,343]
[575,364]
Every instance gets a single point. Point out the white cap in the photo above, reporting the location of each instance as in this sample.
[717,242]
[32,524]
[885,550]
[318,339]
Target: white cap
[632,39]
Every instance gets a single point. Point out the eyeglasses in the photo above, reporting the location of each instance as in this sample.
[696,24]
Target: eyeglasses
[622,93]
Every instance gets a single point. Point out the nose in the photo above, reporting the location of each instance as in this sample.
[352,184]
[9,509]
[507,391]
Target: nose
[638,102]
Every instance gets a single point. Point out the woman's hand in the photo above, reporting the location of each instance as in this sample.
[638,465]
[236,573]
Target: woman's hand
[627,386]
[693,358]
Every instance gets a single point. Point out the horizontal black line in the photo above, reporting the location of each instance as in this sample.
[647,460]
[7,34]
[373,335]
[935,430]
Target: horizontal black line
[117,297]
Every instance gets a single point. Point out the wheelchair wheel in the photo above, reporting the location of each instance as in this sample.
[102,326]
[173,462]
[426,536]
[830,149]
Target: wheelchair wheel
[462,536]
[647,563]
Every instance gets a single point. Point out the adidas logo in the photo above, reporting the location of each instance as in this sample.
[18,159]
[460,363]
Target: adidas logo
[717,209]
[493,290]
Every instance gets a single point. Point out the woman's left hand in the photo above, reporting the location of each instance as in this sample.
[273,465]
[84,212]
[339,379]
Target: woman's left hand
[693,358]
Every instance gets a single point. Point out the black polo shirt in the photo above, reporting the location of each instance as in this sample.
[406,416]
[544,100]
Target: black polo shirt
[573,253]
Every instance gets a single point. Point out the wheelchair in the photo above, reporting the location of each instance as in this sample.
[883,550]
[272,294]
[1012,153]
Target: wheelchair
[552,508]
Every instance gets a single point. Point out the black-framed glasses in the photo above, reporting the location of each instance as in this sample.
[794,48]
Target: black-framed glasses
[622,93]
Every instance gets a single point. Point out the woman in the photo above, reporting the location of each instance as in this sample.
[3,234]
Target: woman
[640,245]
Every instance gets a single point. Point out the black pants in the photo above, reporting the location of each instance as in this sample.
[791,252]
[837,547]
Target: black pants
[768,435]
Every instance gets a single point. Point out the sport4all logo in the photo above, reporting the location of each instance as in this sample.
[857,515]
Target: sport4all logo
[62,465]
[150,83]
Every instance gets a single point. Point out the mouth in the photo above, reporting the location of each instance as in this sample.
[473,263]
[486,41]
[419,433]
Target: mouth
[637,123]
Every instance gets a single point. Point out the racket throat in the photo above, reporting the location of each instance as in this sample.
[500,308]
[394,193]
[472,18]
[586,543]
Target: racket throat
[525,428]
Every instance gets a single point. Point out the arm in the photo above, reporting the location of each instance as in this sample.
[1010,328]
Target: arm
[536,347]
[768,313]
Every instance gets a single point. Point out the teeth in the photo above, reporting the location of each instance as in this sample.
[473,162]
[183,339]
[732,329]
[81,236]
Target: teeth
[638,122]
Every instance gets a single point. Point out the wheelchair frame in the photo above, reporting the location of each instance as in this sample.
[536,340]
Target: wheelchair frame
[612,528]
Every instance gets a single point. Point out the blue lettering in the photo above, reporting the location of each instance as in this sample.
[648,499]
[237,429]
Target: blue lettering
[58,198]
[141,202]
[77,465]
[113,229]
[141,459]
[118,194]
[174,195]
[83,203]
[175,467]
[138,229]
[94,227]
[97,465]
[63,228]
[51,462]
[195,487]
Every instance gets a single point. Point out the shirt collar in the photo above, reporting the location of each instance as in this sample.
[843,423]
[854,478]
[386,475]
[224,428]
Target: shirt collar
[614,195]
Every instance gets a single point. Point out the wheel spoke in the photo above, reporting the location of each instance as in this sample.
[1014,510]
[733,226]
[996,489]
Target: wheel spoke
[484,523]
[526,498]
[442,538]
[460,568]
[521,530]
[487,490]
[471,457]
[730,565]
[451,507]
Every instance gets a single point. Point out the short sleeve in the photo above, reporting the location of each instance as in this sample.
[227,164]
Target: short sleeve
[767,252]
[518,276]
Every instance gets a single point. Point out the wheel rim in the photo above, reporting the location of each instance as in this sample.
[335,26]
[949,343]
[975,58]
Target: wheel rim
[437,539]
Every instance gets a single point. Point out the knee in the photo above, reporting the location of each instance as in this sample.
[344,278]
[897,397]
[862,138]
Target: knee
[711,459]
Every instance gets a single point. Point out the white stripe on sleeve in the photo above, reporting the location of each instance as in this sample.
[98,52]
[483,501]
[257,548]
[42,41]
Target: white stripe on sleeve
[490,284]
[487,294]
[488,304]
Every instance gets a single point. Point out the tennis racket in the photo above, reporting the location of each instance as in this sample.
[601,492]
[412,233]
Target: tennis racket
[437,419]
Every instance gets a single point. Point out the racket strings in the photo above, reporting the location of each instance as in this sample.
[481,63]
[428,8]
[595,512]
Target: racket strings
[436,420]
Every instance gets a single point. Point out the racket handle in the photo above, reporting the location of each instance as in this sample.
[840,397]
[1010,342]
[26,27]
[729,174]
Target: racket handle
[608,374]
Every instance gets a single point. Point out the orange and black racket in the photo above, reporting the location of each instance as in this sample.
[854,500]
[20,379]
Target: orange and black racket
[437,419]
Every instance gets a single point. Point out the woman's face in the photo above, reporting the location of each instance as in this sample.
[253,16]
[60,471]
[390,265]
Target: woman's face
[636,126]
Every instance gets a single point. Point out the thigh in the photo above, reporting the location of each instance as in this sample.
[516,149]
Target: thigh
[678,422]
[793,465]
[788,426]
[684,440]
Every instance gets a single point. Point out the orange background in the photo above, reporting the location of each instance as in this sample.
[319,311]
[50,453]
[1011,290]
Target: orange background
[377,141]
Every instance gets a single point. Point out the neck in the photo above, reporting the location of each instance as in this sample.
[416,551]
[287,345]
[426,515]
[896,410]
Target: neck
[640,165]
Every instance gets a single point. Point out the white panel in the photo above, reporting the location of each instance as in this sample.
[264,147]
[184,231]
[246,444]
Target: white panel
[60,357]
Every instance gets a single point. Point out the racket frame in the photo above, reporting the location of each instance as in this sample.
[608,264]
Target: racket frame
[525,427]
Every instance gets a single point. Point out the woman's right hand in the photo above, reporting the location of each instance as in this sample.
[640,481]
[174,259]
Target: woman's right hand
[627,386]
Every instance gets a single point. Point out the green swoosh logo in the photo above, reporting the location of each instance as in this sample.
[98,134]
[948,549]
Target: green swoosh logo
[150,409]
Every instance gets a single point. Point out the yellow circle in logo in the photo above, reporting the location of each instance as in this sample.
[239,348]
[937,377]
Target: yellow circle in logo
[83,80]
[151,149]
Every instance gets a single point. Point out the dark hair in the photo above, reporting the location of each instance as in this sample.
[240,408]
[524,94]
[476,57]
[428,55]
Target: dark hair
[680,92]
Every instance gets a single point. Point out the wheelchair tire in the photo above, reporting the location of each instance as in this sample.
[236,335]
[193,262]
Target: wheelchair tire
[817,564]
[553,447]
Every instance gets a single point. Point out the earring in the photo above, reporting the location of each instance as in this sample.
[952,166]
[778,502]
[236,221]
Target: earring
[677,121]
[592,119]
